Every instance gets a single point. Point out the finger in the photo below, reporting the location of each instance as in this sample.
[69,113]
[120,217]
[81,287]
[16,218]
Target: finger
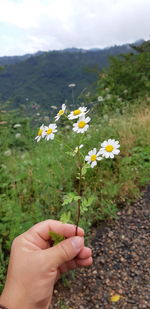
[67,230]
[85,262]
[65,251]
[68,266]
[85,253]
[39,233]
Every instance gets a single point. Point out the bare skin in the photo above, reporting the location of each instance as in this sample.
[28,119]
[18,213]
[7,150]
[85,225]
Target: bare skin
[34,266]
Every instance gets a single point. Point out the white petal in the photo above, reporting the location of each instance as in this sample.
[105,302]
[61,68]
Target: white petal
[88,119]
[98,153]
[87,158]
[90,152]
[94,151]
[52,136]
[111,155]
[116,151]
[38,138]
[42,126]
[117,146]
[81,146]
[63,107]
[75,128]
[75,125]
[99,158]
[106,155]
[93,164]
[104,144]
[102,150]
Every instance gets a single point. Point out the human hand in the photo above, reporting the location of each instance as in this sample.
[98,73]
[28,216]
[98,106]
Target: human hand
[34,266]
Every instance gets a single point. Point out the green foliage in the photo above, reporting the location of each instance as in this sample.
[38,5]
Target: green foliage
[126,80]
[66,217]
[86,203]
[56,238]
[70,197]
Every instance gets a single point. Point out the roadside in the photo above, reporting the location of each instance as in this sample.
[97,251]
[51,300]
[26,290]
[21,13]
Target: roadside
[121,251]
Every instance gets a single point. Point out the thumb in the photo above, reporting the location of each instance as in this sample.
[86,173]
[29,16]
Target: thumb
[65,251]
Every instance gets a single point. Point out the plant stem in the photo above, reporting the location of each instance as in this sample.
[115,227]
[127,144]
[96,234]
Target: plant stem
[72,96]
[79,193]
[78,217]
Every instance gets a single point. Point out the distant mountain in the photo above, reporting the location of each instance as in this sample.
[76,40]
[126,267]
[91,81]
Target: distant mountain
[6,60]
[43,78]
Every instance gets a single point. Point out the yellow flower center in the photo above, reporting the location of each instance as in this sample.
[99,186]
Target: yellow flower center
[76,112]
[61,112]
[40,132]
[49,131]
[93,157]
[109,148]
[81,124]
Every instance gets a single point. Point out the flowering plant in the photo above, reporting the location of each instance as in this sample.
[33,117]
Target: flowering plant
[81,123]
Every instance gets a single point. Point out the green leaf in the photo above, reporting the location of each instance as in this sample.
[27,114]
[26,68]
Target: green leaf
[57,238]
[70,197]
[69,153]
[66,217]
[84,169]
[86,203]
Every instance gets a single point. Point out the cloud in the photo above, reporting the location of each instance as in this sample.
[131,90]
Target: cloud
[57,24]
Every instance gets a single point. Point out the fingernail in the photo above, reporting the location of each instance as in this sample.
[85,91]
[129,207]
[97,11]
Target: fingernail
[77,242]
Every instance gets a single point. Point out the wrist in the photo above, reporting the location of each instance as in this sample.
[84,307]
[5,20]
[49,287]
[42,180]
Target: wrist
[16,301]
[12,300]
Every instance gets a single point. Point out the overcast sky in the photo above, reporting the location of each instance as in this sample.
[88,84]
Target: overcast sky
[27,26]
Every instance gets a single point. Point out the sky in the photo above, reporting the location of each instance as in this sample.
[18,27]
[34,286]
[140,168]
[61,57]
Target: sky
[27,26]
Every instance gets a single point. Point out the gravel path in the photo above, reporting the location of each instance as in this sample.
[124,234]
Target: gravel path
[121,251]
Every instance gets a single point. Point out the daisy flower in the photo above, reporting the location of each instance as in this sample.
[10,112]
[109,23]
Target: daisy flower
[109,148]
[49,131]
[82,125]
[40,133]
[71,85]
[77,113]
[92,157]
[61,112]
[77,148]
[100,99]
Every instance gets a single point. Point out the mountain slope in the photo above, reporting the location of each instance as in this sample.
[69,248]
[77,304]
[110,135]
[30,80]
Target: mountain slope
[44,78]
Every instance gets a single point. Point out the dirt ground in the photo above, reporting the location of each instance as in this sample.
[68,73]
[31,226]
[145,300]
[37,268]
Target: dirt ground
[121,252]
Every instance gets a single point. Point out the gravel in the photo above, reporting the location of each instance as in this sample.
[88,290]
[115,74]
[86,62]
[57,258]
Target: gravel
[121,252]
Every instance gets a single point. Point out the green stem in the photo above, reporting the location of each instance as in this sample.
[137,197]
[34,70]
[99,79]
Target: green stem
[78,216]
[79,193]
[59,141]
[73,96]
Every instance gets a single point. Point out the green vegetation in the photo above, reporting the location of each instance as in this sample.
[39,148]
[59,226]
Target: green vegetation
[37,177]
[43,78]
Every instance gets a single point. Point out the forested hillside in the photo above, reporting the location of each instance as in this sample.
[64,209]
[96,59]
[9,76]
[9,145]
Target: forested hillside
[44,78]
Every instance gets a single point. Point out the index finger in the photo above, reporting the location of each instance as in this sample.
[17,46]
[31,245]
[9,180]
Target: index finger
[43,228]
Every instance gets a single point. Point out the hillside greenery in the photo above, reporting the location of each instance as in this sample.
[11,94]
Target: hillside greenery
[43,79]
[36,177]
